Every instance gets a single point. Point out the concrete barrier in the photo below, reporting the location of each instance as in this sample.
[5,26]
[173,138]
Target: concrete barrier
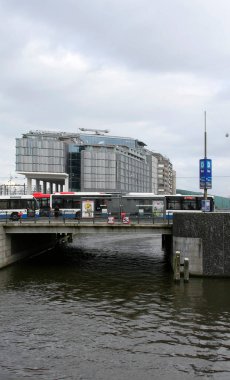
[203,238]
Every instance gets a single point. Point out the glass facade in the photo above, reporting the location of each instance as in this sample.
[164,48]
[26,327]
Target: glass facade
[40,155]
[74,167]
[108,168]
[108,140]
[98,169]
[94,162]
[133,173]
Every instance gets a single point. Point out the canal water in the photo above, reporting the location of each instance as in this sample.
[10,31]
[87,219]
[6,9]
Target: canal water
[108,308]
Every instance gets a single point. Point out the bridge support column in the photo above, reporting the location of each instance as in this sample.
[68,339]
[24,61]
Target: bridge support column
[44,187]
[38,186]
[29,185]
[15,247]
[5,249]
[66,184]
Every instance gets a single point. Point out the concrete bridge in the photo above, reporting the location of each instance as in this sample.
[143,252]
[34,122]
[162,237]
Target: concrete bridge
[202,238]
[20,239]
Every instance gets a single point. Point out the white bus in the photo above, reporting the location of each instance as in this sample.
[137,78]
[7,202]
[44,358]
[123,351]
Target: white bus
[148,204]
[17,207]
[80,204]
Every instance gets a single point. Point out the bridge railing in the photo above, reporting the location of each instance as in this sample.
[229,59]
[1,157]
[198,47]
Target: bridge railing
[8,217]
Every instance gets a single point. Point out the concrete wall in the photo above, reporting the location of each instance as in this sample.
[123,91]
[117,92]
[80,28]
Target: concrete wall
[205,239]
[18,246]
[191,248]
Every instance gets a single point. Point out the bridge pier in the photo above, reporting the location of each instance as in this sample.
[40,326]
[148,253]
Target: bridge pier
[16,247]
[204,239]
[5,248]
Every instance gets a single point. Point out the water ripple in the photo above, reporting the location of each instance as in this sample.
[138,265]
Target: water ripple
[110,309]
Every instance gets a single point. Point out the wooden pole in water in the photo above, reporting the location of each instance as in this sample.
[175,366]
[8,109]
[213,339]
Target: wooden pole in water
[186,270]
[176,266]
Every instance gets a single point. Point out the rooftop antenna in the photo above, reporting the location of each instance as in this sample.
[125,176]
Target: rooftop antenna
[96,131]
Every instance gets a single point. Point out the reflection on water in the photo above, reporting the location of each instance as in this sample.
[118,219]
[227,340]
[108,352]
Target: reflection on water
[108,309]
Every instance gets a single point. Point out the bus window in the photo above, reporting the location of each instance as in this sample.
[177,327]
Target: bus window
[4,204]
[173,205]
[145,206]
[189,205]
[76,203]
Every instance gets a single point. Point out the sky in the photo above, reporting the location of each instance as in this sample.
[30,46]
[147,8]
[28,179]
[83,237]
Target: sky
[145,69]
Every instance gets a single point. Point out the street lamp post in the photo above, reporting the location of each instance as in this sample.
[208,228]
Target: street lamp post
[205,155]
[205,172]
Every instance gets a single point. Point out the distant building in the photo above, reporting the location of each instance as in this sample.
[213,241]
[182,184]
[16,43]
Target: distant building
[166,179]
[174,182]
[59,161]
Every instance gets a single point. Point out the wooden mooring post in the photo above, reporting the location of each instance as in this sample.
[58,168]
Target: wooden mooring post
[186,269]
[176,266]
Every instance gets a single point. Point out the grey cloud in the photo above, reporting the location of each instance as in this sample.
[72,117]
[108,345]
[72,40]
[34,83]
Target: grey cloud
[150,35]
[151,69]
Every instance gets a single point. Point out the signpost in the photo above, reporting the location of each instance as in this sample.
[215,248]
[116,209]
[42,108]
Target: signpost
[205,171]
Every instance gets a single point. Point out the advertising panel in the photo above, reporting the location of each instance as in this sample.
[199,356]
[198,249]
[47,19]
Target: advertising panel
[205,173]
[158,208]
[87,209]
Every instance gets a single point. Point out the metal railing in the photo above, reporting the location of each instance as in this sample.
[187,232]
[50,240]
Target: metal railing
[64,217]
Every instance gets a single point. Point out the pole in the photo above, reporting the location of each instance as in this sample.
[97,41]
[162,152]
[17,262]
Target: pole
[205,153]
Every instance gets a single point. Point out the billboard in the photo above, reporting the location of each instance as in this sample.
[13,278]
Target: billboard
[158,208]
[205,173]
[88,209]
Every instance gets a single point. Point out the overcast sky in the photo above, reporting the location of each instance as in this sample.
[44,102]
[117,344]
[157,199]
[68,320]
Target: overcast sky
[146,69]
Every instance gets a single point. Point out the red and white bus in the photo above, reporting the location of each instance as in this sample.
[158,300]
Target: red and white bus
[43,203]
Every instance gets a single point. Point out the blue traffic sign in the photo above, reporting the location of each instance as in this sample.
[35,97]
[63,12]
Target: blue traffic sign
[205,173]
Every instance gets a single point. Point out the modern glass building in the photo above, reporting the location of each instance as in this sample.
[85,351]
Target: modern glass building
[58,161]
